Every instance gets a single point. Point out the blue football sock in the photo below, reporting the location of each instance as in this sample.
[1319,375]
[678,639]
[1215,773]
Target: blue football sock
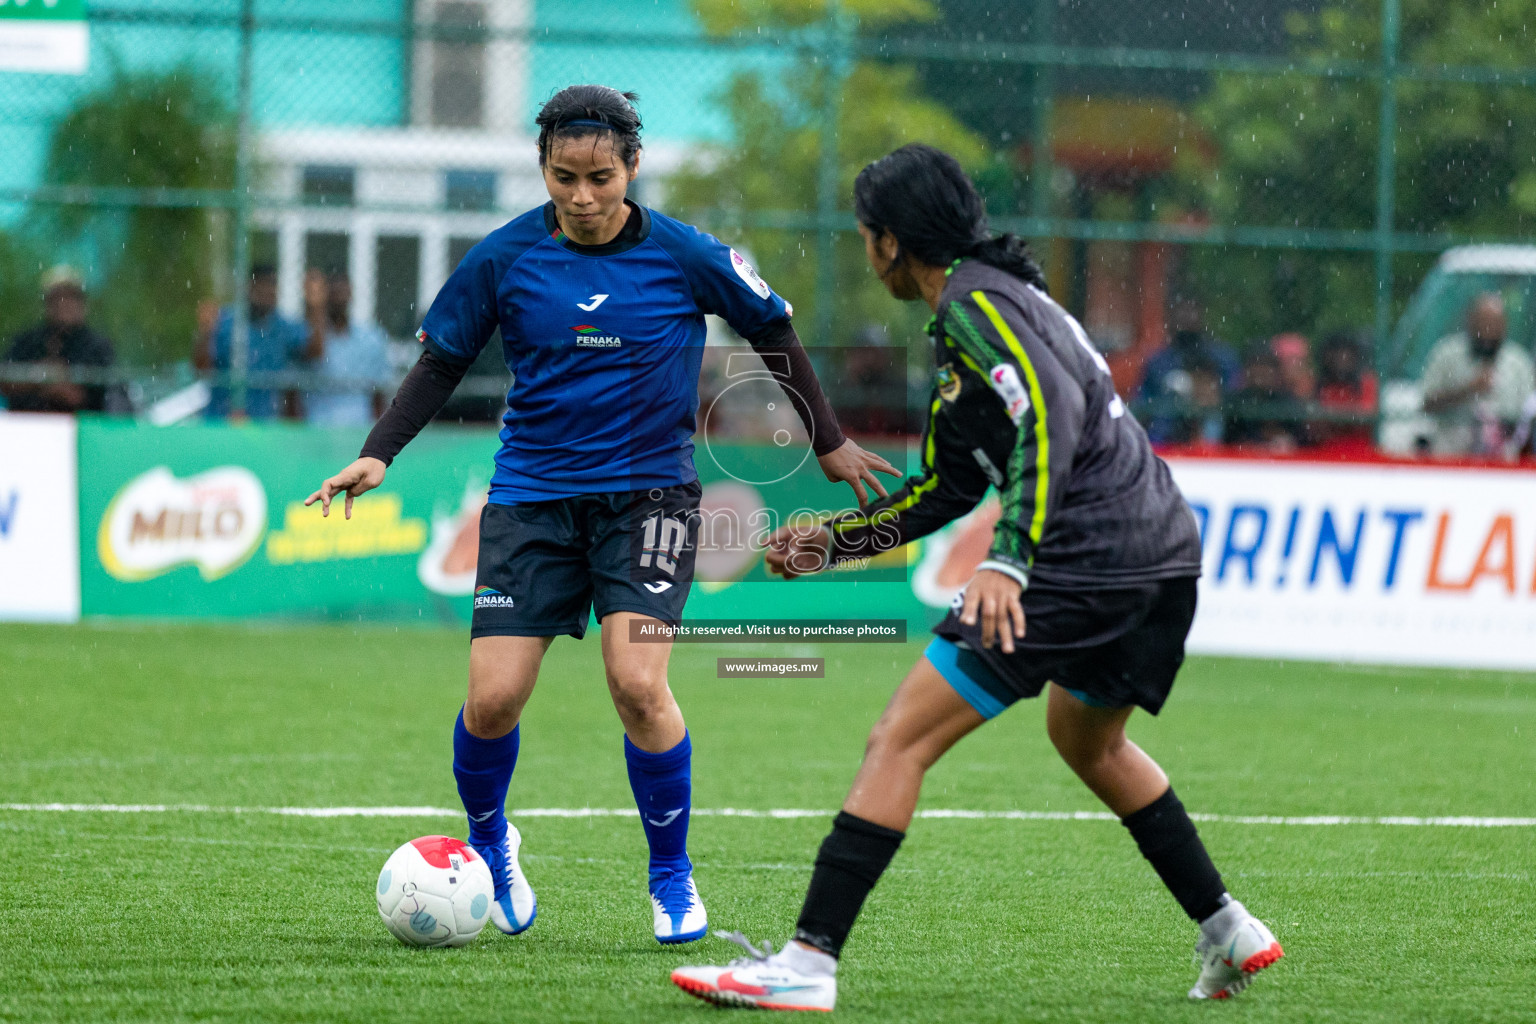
[483,770]
[663,787]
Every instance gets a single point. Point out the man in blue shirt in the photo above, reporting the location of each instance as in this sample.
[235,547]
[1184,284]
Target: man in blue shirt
[593,503]
[275,344]
[344,350]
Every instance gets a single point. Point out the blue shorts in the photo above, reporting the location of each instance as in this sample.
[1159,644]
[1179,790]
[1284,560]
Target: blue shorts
[976,684]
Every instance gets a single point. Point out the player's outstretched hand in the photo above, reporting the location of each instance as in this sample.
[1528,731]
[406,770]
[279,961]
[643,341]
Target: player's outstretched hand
[853,466]
[798,550]
[362,476]
[994,596]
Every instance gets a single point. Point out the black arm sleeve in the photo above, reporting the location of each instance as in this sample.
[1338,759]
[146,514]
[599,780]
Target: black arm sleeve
[422,395]
[800,385]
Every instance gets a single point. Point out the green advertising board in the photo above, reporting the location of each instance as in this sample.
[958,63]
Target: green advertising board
[209,520]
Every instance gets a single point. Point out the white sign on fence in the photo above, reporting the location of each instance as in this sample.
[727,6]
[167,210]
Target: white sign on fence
[1370,563]
[39,513]
[44,36]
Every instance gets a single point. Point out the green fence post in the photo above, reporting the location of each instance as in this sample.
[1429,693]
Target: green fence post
[240,336]
[1044,102]
[1386,169]
[834,55]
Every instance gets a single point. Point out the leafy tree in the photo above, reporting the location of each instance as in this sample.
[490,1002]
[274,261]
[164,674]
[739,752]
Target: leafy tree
[772,162]
[145,130]
[1300,151]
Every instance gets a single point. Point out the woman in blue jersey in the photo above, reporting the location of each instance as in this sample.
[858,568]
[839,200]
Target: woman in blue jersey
[592,506]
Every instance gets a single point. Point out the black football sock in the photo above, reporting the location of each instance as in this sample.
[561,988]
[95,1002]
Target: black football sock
[850,862]
[1168,840]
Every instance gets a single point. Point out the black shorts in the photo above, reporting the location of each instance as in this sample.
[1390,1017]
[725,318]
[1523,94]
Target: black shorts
[546,566]
[1111,648]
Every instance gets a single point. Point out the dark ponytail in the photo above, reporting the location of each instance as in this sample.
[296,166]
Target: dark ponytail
[922,197]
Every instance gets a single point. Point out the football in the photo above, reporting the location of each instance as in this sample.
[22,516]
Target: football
[435,891]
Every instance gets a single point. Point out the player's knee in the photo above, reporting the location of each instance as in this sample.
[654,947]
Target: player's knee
[889,741]
[490,714]
[639,695]
[1082,750]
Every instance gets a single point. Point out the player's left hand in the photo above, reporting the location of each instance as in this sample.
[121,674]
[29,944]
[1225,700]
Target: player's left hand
[994,596]
[853,466]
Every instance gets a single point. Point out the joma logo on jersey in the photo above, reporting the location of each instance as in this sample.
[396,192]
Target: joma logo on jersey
[588,336]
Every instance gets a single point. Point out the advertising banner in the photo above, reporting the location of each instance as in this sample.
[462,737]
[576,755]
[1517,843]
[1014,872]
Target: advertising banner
[39,538]
[1360,562]
[209,520]
[1372,563]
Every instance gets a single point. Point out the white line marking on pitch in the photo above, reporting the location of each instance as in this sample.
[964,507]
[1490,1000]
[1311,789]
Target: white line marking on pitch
[738,812]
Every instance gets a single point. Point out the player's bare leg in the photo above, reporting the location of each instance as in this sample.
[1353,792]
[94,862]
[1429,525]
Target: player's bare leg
[502,674]
[659,755]
[1234,945]
[925,717]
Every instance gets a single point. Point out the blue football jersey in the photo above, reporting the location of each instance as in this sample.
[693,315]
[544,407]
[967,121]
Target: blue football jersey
[604,344]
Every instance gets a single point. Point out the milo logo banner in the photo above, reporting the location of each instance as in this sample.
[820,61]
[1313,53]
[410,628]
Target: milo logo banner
[209,520]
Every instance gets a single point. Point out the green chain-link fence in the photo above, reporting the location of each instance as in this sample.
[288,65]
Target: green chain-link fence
[1284,166]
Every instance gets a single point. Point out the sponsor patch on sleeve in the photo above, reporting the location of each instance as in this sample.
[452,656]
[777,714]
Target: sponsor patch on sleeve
[749,274]
[1005,381]
[422,337]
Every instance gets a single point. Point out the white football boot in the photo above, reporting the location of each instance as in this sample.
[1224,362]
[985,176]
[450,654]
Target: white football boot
[514,906]
[676,910]
[795,978]
[1228,960]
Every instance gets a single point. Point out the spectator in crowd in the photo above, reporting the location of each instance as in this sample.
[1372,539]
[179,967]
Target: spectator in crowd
[341,350]
[1346,385]
[871,392]
[61,341]
[1295,354]
[1264,414]
[275,343]
[1199,422]
[1475,384]
[1166,376]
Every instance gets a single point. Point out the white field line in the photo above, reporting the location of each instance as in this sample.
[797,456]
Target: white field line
[738,812]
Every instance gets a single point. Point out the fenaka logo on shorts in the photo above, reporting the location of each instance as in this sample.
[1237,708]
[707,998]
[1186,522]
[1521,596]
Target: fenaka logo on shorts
[486,597]
[588,336]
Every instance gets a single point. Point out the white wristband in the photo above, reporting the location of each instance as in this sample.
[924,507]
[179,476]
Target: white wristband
[1011,571]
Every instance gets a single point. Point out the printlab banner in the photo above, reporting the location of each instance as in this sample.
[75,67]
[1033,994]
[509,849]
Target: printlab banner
[1369,563]
[39,541]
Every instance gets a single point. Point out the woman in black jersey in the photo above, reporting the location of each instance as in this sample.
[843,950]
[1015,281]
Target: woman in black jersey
[1089,583]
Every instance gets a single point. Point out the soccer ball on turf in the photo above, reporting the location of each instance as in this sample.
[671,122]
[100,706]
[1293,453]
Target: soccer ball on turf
[435,891]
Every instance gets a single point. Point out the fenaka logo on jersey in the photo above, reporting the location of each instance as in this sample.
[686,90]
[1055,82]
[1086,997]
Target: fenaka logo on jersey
[588,336]
[214,520]
[749,274]
[486,597]
[1005,381]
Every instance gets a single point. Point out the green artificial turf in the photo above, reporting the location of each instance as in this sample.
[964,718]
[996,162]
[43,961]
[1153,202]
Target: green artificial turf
[211,916]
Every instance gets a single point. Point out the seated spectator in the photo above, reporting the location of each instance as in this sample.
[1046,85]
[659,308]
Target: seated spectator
[1199,422]
[1166,376]
[1346,385]
[1475,384]
[1295,354]
[343,351]
[275,343]
[1264,414]
[62,340]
